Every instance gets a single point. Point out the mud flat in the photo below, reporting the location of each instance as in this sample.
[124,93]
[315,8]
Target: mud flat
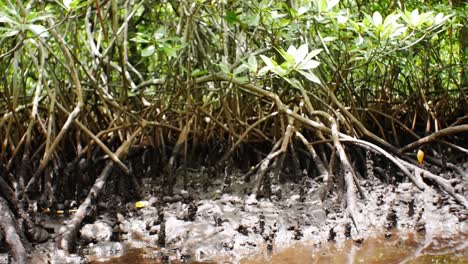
[211,223]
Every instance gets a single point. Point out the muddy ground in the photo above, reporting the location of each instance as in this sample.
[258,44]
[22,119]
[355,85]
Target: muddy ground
[210,221]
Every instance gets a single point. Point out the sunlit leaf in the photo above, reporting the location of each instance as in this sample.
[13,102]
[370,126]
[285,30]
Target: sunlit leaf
[322,5]
[269,62]
[276,15]
[359,40]
[67,4]
[242,68]
[377,18]
[440,18]
[38,30]
[331,4]
[281,70]
[8,32]
[341,19]
[160,33]
[6,19]
[291,49]
[148,51]
[399,31]
[312,54]
[263,71]
[307,65]
[302,10]
[224,68]
[310,76]
[287,55]
[328,39]
[300,53]
[294,82]
[391,19]
[251,20]
[141,38]
[415,17]
[253,61]
[252,64]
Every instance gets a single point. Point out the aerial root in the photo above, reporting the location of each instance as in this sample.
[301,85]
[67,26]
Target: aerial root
[436,135]
[443,183]
[66,239]
[8,225]
[264,165]
[349,177]
[418,173]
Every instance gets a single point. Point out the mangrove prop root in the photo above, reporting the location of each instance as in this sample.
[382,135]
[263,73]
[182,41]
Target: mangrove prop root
[435,135]
[418,172]
[417,181]
[7,224]
[170,166]
[440,181]
[66,239]
[348,176]
[264,165]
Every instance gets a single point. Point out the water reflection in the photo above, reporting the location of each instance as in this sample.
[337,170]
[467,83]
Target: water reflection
[382,248]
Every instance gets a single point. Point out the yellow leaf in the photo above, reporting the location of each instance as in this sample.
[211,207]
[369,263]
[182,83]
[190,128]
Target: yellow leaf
[420,156]
[141,204]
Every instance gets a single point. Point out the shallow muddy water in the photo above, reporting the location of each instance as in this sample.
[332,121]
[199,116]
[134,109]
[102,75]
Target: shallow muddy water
[382,248]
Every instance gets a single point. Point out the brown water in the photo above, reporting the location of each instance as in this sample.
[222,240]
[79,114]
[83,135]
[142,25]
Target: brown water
[397,248]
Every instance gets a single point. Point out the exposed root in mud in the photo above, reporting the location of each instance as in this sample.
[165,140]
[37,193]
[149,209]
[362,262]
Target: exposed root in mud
[8,226]
[66,240]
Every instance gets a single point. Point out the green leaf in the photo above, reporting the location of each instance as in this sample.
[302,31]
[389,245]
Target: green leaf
[391,20]
[307,65]
[160,33]
[322,5]
[328,39]
[294,82]
[289,54]
[8,32]
[148,51]
[38,30]
[231,17]
[282,70]
[310,76]
[312,54]
[6,19]
[269,62]
[198,72]
[242,68]
[170,50]
[141,38]
[253,63]
[224,68]
[251,20]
